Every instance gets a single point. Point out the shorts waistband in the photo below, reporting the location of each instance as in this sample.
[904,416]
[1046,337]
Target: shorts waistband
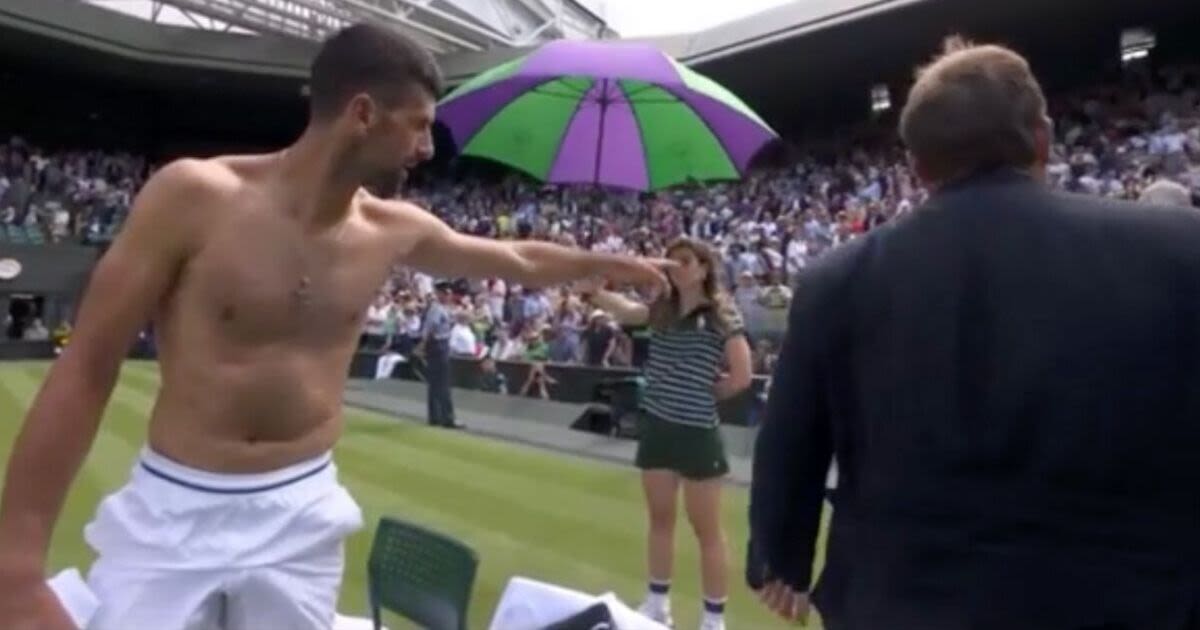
[221,483]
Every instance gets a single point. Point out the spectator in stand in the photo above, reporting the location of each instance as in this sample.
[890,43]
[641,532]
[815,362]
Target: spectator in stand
[462,337]
[765,355]
[36,330]
[568,326]
[481,318]
[1112,141]
[622,354]
[375,325]
[538,383]
[490,379]
[507,347]
[599,339]
[408,324]
[1165,192]
[537,349]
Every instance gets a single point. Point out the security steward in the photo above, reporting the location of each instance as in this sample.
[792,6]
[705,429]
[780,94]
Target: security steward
[435,346]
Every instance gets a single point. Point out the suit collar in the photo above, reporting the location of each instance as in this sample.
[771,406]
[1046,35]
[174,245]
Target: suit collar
[990,177]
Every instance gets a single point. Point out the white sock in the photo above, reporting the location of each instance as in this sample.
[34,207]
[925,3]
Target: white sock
[714,610]
[658,596]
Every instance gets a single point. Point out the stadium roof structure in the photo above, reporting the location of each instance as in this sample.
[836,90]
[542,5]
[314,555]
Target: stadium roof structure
[807,65]
[443,26]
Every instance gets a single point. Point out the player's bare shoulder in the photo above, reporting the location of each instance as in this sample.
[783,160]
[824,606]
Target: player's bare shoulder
[183,191]
[168,209]
[203,177]
[196,195]
[402,223]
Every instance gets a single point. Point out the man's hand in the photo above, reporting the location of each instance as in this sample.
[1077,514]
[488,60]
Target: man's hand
[783,600]
[29,604]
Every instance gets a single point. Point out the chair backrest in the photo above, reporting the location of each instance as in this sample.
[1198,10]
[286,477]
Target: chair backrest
[422,575]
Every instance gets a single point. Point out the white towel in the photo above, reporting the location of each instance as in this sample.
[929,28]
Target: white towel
[531,605]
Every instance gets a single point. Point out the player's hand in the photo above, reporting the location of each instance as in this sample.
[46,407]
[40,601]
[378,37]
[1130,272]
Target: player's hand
[646,273]
[783,600]
[31,605]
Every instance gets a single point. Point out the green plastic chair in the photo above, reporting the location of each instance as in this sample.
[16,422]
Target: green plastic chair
[423,576]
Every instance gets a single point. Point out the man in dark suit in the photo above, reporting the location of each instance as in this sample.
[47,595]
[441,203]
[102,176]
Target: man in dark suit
[1009,380]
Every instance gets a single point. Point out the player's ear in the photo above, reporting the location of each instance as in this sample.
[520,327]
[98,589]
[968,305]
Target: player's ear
[362,110]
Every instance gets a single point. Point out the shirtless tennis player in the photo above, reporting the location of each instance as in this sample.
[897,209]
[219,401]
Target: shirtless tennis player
[257,271]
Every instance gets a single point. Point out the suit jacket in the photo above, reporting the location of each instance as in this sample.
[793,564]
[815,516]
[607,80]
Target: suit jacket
[1010,381]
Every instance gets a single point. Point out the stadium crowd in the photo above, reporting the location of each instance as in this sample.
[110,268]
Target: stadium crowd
[1118,141]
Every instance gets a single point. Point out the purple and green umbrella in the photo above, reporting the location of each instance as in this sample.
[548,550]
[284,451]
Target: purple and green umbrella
[616,114]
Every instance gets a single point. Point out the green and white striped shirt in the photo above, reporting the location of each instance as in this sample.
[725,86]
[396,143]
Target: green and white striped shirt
[684,363]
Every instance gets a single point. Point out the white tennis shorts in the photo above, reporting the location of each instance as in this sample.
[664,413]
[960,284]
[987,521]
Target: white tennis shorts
[184,549]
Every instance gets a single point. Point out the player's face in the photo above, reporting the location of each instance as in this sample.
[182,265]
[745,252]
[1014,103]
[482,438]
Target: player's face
[691,271]
[393,140]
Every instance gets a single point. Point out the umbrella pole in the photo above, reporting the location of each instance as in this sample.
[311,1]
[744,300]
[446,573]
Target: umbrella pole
[600,137]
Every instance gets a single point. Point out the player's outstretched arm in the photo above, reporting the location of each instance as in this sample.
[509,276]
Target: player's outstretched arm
[441,251]
[127,284]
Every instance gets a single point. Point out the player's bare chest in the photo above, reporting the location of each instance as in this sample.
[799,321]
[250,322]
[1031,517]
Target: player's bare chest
[284,283]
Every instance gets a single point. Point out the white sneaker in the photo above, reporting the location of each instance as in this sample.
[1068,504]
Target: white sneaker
[712,623]
[661,614]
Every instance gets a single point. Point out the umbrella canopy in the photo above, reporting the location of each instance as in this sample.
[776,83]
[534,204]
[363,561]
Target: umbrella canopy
[612,113]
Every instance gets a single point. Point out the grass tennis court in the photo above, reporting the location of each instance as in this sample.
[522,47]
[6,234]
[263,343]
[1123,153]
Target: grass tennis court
[528,512]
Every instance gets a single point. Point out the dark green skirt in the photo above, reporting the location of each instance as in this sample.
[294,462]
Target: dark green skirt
[696,453]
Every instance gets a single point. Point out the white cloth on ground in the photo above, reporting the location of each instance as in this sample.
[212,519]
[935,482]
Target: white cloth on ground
[531,605]
[184,549]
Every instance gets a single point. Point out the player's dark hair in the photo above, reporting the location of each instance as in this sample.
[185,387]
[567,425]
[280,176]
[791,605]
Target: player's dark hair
[369,58]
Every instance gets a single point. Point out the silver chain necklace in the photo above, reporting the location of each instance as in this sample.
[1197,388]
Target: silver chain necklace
[302,291]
